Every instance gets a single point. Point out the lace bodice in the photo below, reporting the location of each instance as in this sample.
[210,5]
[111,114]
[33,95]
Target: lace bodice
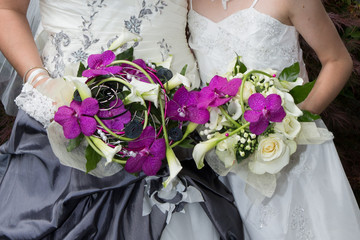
[261,41]
[74,29]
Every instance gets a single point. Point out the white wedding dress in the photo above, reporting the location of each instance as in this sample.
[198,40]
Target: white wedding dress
[313,199]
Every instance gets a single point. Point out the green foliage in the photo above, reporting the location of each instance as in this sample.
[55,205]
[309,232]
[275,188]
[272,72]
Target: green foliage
[81,69]
[126,55]
[308,117]
[299,93]
[291,73]
[92,158]
[74,143]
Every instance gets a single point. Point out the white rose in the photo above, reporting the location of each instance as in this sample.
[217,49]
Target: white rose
[225,150]
[272,155]
[289,126]
[249,89]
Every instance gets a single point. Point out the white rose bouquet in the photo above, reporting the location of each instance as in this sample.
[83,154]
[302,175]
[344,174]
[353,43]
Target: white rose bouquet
[254,117]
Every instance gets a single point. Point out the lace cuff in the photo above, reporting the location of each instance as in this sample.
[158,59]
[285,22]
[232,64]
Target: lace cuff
[37,105]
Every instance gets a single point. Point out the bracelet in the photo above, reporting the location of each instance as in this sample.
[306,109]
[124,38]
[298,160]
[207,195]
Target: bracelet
[39,69]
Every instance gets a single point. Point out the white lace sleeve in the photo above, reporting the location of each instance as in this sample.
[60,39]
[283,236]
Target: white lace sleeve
[37,105]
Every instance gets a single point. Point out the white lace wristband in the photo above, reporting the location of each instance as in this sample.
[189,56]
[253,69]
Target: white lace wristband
[37,105]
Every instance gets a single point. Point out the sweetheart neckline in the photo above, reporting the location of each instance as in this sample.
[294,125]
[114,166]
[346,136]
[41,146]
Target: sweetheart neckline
[239,12]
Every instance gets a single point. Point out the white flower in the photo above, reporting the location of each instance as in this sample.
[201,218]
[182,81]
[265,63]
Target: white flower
[202,148]
[289,126]
[216,120]
[287,86]
[249,89]
[81,86]
[174,165]
[124,37]
[272,155]
[225,150]
[235,109]
[166,63]
[108,152]
[176,80]
[141,91]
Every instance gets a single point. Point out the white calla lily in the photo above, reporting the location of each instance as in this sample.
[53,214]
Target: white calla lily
[166,63]
[108,152]
[174,165]
[124,37]
[202,148]
[81,86]
[287,86]
[141,91]
[177,80]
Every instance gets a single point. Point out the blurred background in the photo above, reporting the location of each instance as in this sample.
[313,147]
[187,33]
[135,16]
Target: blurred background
[342,117]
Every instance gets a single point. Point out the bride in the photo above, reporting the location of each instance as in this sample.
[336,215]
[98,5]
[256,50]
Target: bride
[313,199]
[42,199]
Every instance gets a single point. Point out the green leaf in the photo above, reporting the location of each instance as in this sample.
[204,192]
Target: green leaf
[291,73]
[308,117]
[81,69]
[92,158]
[187,143]
[74,143]
[239,66]
[126,55]
[299,93]
[183,70]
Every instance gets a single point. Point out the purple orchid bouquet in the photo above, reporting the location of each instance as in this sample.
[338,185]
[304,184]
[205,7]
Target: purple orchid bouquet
[253,118]
[130,112]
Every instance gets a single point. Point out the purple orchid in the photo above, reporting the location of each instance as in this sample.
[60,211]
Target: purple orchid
[263,111]
[98,65]
[116,117]
[183,107]
[149,153]
[219,92]
[78,118]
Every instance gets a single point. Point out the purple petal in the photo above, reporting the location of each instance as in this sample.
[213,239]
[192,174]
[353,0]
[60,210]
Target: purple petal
[113,69]
[118,123]
[134,164]
[172,108]
[181,96]
[196,115]
[257,102]
[87,125]
[278,115]
[71,128]
[141,63]
[76,106]
[252,116]
[89,107]
[63,114]
[273,102]
[101,60]
[146,138]
[217,82]
[232,87]
[259,127]
[206,96]
[158,148]
[151,166]
[219,101]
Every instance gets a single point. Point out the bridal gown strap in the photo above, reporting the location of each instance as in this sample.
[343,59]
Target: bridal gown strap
[313,198]
[42,199]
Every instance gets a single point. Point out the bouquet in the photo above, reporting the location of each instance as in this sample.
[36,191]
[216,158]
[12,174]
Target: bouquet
[254,119]
[127,113]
